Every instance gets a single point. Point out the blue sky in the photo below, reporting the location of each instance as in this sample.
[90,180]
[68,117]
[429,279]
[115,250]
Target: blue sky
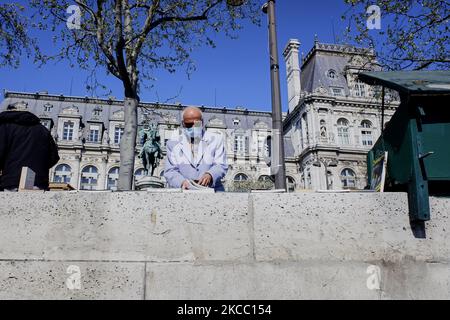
[235,73]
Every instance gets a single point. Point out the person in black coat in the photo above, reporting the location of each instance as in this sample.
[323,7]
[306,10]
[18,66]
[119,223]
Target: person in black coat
[25,142]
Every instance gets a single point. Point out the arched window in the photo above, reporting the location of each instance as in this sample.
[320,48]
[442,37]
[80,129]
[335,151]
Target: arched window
[240,177]
[332,74]
[265,183]
[89,178]
[290,183]
[366,124]
[62,173]
[348,178]
[366,133]
[241,183]
[139,173]
[113,178]
[264,178]
[343,131]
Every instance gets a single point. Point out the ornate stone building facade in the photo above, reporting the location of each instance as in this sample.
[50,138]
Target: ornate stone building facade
[334,119]
[332,122]
[88,133]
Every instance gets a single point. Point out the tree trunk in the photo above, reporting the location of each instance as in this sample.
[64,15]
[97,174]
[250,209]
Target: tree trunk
[128,145]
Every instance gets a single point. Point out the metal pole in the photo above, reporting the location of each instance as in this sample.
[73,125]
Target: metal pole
[278,165]
[326,175]
[382,109]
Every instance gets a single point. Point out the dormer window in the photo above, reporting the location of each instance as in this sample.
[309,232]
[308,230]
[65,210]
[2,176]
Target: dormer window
[118,133]
[68,130]
[337,91]
[94,133]
[332,74]
[360,88]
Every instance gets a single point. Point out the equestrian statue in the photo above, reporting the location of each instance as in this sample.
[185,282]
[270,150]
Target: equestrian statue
[151,152]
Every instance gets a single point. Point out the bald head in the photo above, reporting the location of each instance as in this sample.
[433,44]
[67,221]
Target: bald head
[191,115]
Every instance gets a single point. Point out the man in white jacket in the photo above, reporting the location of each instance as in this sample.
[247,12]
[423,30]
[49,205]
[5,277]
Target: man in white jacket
[195,155]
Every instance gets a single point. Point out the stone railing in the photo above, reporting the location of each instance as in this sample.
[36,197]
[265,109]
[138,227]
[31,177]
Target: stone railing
[139,245]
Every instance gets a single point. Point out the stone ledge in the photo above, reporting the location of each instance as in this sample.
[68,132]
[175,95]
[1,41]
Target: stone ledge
[137,245]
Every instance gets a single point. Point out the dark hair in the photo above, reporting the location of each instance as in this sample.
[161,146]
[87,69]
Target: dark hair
[11,107]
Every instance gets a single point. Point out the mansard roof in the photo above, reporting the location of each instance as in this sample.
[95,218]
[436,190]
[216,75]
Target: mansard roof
[325,58]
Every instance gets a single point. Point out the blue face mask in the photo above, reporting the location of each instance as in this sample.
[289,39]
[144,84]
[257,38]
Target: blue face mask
[195,132]
[189,132]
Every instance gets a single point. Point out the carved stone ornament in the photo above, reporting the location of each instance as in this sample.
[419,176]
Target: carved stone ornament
[118,115]
[321,90]
[73,110]
[261,125]
[216,123]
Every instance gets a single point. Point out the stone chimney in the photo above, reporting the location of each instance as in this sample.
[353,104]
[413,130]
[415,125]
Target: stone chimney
[293,72]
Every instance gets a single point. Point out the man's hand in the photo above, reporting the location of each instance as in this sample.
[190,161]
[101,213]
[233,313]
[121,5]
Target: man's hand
[206,180]
[185,185]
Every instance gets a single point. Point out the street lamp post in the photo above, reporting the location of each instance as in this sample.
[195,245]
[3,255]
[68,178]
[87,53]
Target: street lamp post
[332,163]
[277,163]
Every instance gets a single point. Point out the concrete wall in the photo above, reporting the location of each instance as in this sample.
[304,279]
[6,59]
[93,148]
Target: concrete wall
[219,246]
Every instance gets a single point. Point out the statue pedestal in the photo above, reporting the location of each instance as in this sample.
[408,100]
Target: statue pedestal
[148,183]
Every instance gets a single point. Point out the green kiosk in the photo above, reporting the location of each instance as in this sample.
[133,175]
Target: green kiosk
[416,139]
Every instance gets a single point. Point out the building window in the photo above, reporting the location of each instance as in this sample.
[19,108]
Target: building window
[241,183]
[262,147]
[62,174]
[290,183]
[366,133]
[264,179]
[240,144]
[118,132]
[343,131]
[113,178]
[236,122]
[68,131]
[139,173]
[348,178]
[360,88]
[47,123]
[265,183]
[337,91]
[332,74]
[94,133]
[366,124]
[240,177]
[89,178]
